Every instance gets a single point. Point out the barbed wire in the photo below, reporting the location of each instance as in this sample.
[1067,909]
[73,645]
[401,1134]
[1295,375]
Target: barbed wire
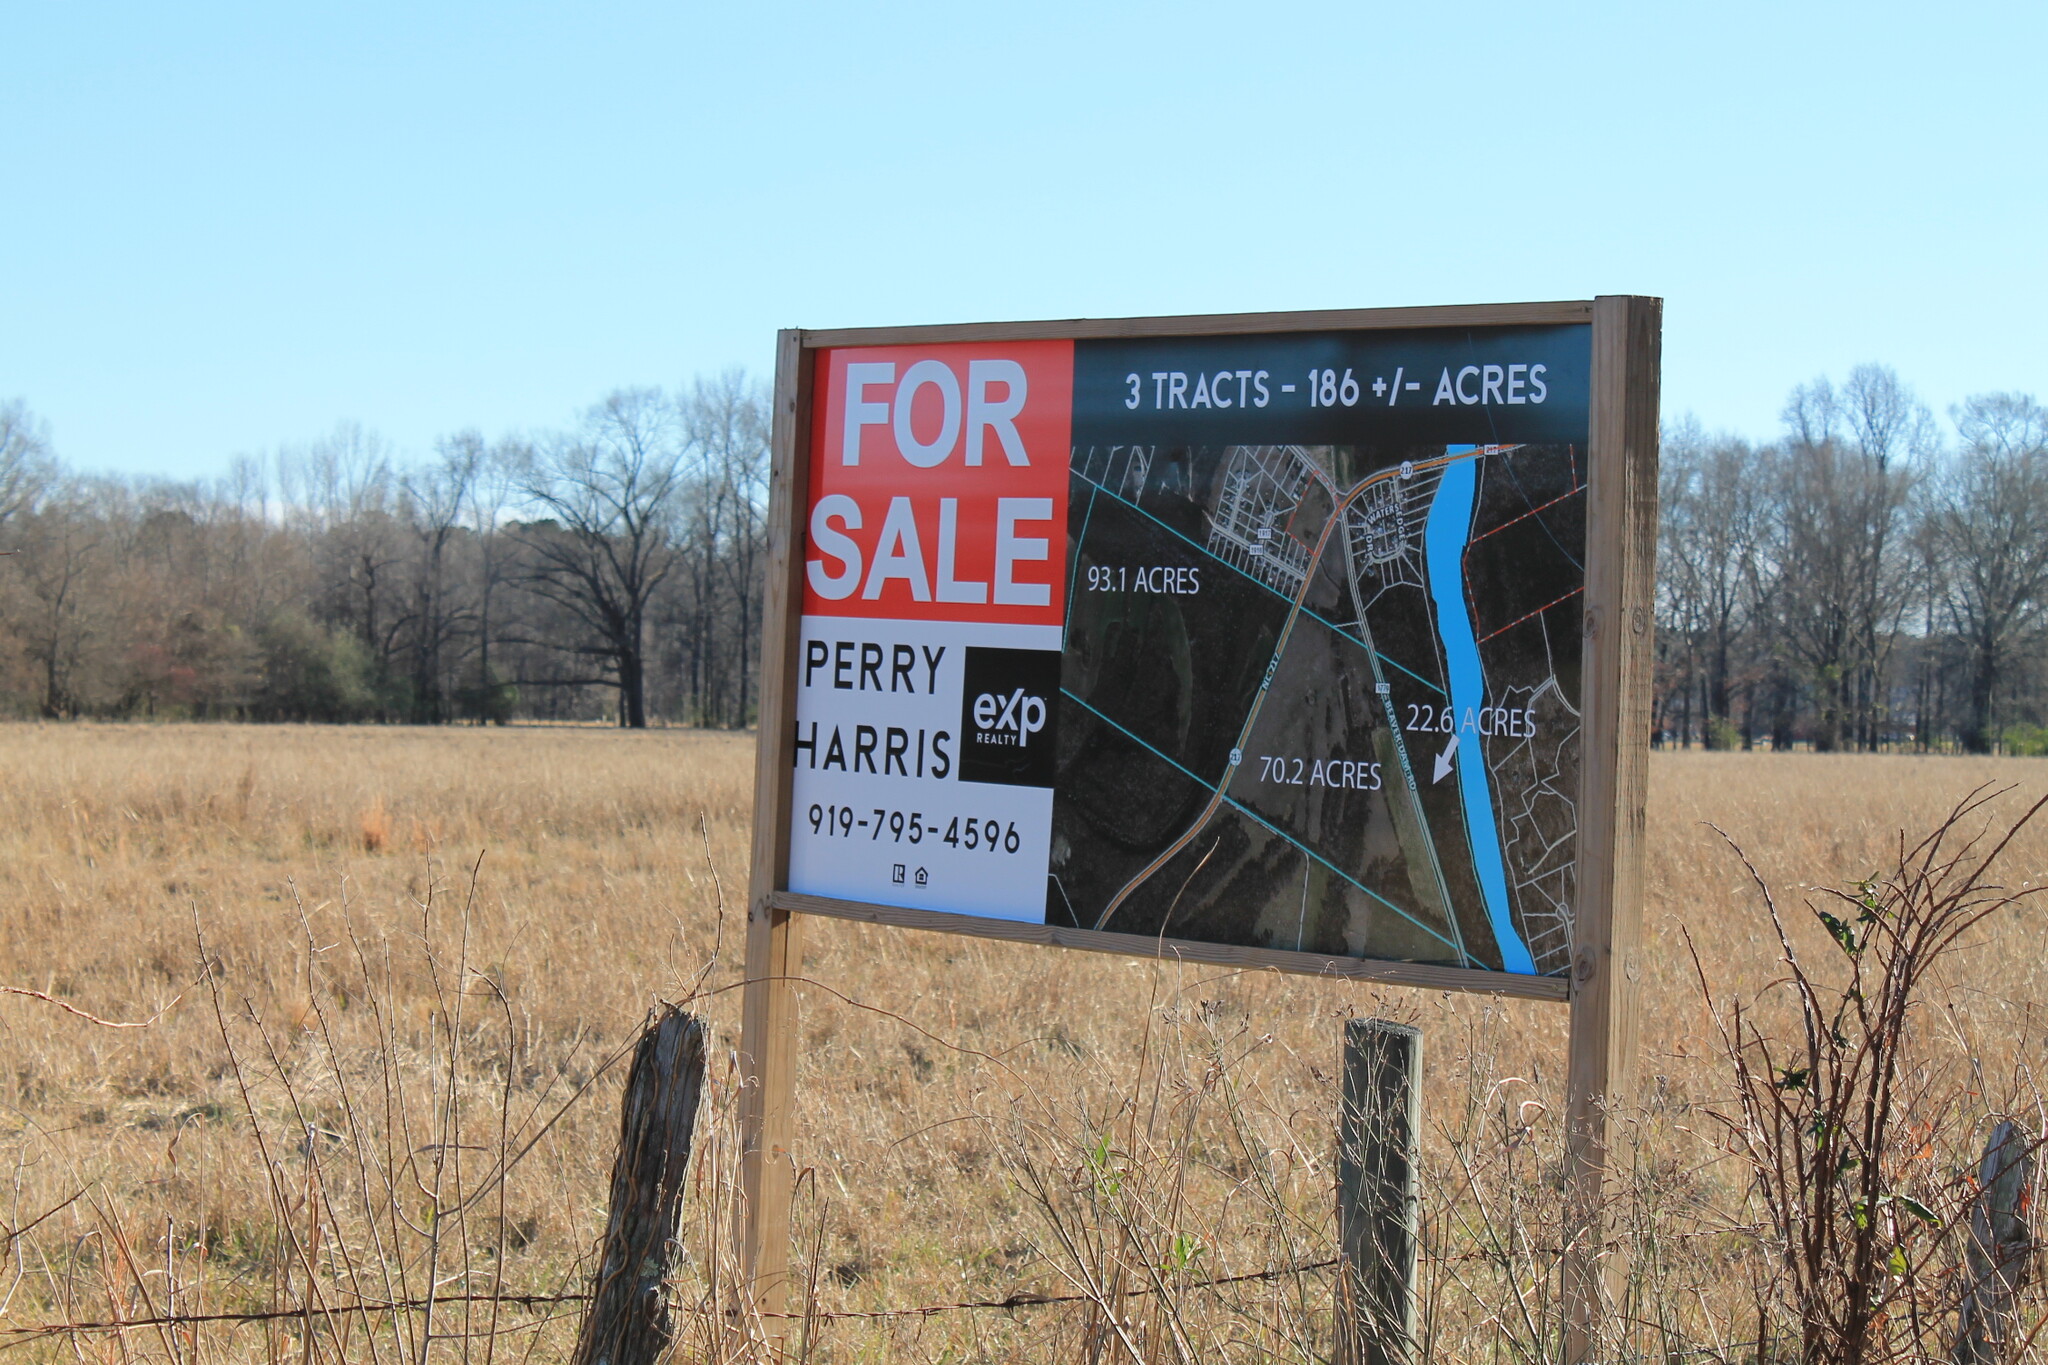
[1021,1299]
[48,1329]
[1011,1302]
[1029,1300]
[14,1335]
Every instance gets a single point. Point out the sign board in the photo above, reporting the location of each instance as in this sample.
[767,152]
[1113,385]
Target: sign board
[1306,640]
[1265,640]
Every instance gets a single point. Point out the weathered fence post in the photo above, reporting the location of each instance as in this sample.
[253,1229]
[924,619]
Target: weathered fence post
[1376,1194]
[1999,1246]
[628,1322]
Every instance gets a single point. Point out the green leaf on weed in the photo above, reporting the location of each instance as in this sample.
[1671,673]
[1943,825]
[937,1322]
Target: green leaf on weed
[1916,1208]
[1180,1254]
[1108,1182]
[1843,931]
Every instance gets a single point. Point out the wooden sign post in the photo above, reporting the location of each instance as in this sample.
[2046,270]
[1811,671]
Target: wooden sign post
[1621,560]
[1075,629]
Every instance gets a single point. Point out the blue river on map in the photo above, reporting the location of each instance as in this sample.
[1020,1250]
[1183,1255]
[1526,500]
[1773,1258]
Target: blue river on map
[1444,540]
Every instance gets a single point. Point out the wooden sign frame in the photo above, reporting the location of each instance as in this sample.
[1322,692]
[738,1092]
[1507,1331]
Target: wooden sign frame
[1626,336]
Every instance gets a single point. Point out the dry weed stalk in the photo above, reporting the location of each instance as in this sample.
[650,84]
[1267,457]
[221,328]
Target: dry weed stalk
[1851,1133]
[387,1217]
[1491,1203]
[1186,1213]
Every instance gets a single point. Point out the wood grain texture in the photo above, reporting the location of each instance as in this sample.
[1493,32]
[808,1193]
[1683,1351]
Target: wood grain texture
[774,948]
[2000,1250]
[1378,1192]
[1184,950]
[1216,324]
[1621,550]
[628,1321]
[781,617]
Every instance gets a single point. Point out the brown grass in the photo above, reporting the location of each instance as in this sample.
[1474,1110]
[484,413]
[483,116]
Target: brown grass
[976,1119]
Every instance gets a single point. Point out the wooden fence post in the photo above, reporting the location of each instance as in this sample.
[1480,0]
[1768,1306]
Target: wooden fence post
[1377,1213]
[1999,1247]
[628,1322]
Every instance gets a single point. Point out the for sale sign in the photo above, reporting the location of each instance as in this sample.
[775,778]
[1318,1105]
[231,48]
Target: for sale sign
[1263,640]
[1268,639]
[934,601]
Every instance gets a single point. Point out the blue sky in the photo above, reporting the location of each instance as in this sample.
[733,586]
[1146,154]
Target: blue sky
[226,227]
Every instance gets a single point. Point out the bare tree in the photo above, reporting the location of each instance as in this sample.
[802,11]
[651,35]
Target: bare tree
[603,543]
[24,459]
[1714,505]
[722,529]
[1894,434]
[434,499]
[491,493]
[343,491]
[61,549]
[186,565]
[1845,474]
[1989,521]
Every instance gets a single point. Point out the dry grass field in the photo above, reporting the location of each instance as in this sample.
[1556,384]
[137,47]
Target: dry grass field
[395,968]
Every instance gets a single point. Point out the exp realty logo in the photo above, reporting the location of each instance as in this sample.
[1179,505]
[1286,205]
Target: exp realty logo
[1008,703]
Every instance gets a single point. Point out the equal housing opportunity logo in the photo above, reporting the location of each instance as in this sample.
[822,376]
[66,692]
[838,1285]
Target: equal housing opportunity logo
[1008,704]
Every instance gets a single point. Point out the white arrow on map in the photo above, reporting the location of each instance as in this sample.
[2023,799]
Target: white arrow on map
[1443,760]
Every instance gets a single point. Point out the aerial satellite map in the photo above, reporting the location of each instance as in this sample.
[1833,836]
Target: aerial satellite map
[1358,735]
[1324,697]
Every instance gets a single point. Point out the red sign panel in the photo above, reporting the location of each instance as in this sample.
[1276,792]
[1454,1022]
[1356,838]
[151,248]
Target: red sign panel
[939,483]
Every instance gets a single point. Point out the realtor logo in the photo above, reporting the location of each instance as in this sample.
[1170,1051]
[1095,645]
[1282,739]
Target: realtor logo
[1008,720]
[1008,703]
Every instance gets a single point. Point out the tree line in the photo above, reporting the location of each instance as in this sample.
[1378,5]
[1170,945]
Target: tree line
[611,569]
[1870,579]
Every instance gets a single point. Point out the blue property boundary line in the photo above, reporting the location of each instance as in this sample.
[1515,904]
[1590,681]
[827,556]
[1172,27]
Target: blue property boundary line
[1177,534]
[1236,805]
[1447,534]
